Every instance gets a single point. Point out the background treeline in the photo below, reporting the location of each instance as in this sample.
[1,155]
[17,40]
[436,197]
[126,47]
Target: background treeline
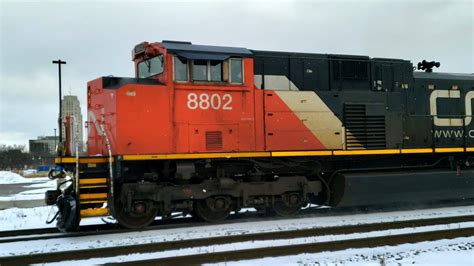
[16,157]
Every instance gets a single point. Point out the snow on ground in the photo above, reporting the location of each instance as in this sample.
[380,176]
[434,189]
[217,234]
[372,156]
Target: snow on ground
[7,177]
[248,245]
[131,238]
[29,218]
[32,194]
[405,254]
[49,184]
[459,251]
[40,183]
[16,218]
[29,172]
[21,196]
[445,252]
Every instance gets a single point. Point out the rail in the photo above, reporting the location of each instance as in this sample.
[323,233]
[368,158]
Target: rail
[287,250]
[260,252]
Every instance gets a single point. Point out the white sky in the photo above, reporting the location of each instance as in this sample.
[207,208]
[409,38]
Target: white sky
[96,39]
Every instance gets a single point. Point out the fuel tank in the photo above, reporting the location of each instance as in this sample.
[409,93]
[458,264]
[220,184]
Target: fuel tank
[408,187]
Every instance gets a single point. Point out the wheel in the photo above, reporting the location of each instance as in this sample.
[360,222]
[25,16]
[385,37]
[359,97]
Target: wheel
[143,214]
[213,209]
[288,205]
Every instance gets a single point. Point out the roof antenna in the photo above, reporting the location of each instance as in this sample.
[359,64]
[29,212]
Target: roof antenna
[427,66]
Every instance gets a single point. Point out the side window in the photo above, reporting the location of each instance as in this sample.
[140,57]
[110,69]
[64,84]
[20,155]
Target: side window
[236,70]
[216,70]
[200,70]
[230,70]
[180,69]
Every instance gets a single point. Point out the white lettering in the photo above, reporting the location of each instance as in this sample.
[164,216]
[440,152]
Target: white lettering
[192,101]
[214,101]
[471,133]
[446,122]
[450,133]
[226,106]
[204,101]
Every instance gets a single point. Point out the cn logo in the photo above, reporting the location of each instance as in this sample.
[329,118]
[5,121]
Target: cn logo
[447,122]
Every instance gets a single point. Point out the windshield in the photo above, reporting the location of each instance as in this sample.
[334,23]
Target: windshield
[150,67]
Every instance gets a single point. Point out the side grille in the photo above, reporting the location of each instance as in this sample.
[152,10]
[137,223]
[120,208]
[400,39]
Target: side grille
[363,131]
[213,140]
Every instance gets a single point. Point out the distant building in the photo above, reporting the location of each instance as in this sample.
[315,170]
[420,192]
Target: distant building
[71,107]
[43,146]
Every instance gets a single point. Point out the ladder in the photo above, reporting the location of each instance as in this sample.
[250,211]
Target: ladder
[93,191]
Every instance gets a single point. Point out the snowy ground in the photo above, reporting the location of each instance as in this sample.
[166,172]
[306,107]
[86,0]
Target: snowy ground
[7,177]
[18,191]
[362,256]
[427,252]
[31,194]
[25,218]
[445,252]
[458,251]
[30,218]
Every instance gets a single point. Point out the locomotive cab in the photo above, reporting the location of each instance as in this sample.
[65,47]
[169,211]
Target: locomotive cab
[198,67]
[149,61]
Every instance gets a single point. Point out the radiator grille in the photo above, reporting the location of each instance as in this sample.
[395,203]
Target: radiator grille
[213,140]
[363,131]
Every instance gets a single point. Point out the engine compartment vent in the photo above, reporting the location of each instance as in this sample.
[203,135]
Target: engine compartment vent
[213,140]
[363,131]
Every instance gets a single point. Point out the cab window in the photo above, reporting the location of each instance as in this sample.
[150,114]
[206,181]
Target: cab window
[180,69]
[216,70]
[236,75]
[208,70]
[150,67]
[200,70]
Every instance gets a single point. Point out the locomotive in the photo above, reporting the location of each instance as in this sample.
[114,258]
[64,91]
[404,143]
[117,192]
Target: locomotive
[208,130]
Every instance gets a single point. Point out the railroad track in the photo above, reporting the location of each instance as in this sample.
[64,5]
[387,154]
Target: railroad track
[113,228]
[287,250]
[51,230]
[260,252]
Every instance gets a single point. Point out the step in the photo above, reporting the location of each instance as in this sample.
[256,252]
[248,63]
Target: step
[97,212]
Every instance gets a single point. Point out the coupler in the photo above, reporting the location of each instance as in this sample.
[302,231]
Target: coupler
[67,217]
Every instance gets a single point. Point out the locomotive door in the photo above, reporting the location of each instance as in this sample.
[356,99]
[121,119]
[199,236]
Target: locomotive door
[383,77]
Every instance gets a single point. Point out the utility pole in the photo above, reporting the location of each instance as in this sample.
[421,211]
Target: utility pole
[55,139]
[60,62]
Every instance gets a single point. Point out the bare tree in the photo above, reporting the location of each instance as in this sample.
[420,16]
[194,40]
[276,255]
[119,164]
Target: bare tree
[14,156]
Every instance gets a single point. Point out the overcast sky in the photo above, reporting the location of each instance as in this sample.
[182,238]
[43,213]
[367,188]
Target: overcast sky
[96,39]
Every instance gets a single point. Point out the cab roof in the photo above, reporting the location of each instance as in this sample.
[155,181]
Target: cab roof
[194,51]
